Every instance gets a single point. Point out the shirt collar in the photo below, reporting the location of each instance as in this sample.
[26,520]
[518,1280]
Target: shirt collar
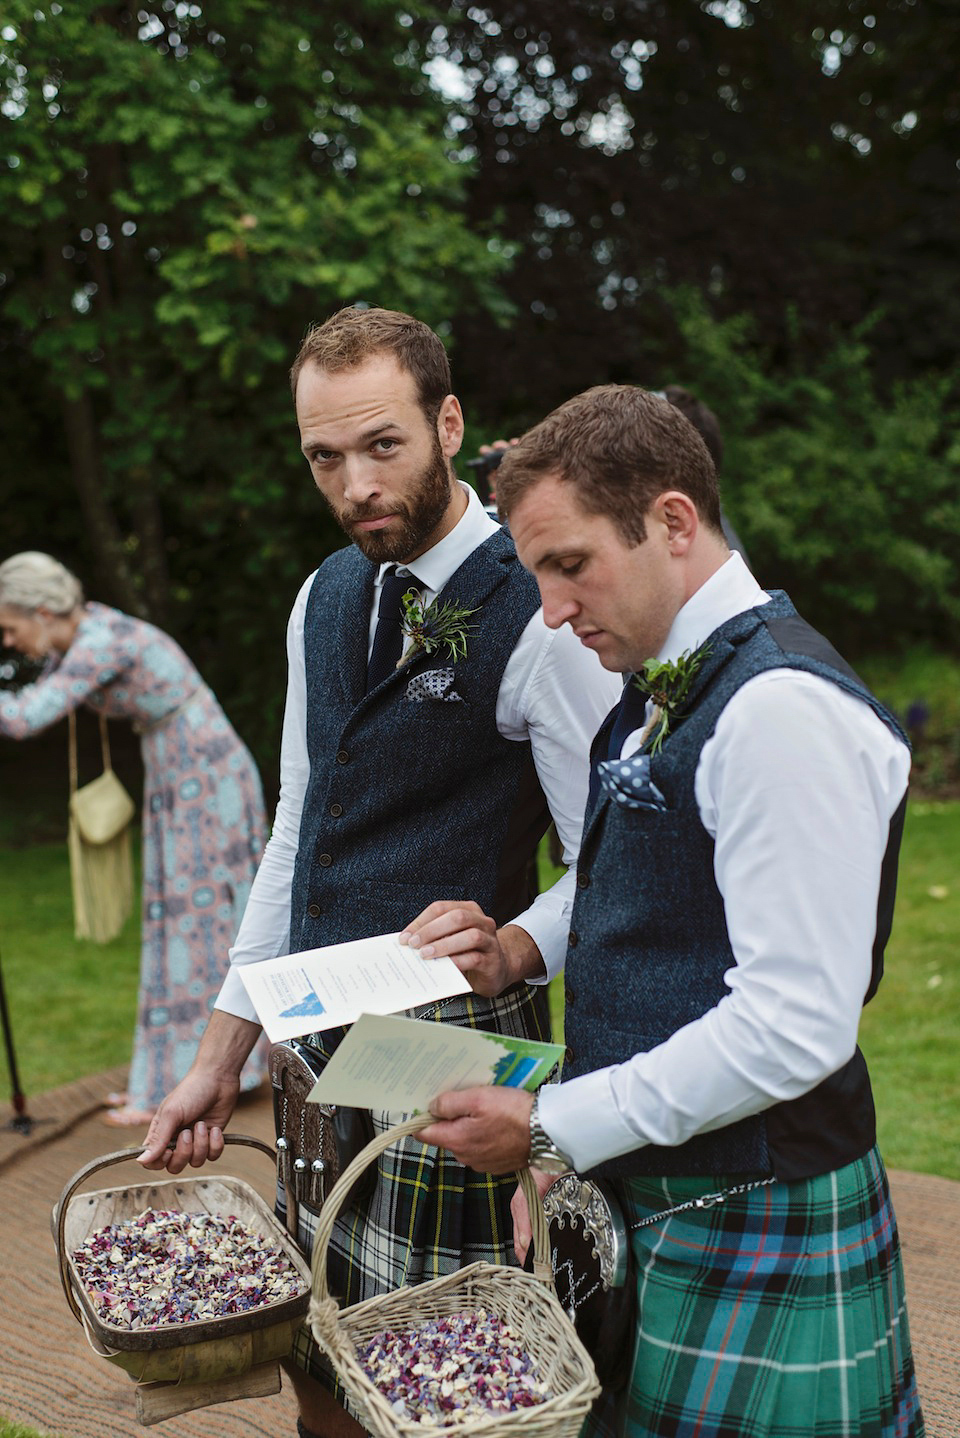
[731,590]
[435,566]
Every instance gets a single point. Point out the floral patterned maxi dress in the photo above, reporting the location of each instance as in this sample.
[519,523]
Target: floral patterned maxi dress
[204,826]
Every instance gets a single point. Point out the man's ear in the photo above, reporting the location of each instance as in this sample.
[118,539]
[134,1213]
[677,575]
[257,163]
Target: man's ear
[450,426]
[677,513]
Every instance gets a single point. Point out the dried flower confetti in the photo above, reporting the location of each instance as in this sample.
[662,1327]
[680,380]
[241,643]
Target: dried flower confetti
[454,1369]
[168,1267]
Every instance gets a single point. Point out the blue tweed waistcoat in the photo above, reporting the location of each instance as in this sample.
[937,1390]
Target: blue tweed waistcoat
[411,800]
[649,942]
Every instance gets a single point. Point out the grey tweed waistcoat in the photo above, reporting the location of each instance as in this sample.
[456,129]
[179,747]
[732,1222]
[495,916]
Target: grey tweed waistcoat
[411,800]
[649,942]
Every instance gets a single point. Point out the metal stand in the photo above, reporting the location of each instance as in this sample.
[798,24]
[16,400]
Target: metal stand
[21,1121]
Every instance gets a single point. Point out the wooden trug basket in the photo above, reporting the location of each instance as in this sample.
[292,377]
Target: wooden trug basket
[528,1302]
[182,1366]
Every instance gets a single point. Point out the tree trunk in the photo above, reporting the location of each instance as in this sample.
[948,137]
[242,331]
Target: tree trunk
[102,529]
[152,553]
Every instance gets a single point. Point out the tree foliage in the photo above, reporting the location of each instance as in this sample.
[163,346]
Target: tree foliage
[757,199]
[845,495]
[187,187]
[785,159]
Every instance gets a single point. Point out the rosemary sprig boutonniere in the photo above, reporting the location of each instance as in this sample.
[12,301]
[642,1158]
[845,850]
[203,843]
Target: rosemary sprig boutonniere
[669,684]
[433,627]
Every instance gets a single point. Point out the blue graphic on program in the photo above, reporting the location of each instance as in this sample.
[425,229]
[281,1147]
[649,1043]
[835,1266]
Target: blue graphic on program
[513,1070]
[309,1007]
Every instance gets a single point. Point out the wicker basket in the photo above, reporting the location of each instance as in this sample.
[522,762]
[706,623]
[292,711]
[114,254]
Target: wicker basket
[182,1366]
[527,1302]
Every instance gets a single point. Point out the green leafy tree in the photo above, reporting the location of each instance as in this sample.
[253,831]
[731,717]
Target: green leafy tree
[779,157]
[185,188]
[845,495]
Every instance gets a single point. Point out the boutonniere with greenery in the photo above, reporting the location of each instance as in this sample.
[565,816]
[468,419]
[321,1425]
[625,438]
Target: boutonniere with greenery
[669,684]
[433,627]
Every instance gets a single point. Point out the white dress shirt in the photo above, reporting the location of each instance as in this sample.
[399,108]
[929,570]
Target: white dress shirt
[797,786]
[553,693]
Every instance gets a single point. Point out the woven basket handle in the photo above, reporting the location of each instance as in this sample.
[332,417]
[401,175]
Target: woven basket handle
[106,1161]
[542,1267]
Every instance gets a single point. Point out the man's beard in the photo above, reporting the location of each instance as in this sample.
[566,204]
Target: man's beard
[419,515]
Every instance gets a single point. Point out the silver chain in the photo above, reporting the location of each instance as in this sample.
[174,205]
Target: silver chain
[706,1200]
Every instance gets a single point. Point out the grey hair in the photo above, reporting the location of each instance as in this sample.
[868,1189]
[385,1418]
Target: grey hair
[32,581]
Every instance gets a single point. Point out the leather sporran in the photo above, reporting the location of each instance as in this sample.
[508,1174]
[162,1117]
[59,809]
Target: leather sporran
[593,1271]
[315,1141]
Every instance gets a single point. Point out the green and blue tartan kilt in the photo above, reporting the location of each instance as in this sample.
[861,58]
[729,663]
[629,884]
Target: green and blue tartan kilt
[428,1215]
[779,1313]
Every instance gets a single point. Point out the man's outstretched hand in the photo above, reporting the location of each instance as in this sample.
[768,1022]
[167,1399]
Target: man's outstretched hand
[187,1128]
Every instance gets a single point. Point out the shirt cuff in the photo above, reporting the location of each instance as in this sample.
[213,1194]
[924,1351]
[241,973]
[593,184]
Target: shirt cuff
[549,931]
[234,999]
[582,1118]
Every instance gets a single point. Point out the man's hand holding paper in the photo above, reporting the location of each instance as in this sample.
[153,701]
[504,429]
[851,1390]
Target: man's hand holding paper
[489,958]
[484,1128]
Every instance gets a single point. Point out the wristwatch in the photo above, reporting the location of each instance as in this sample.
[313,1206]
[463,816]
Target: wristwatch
[544,1153]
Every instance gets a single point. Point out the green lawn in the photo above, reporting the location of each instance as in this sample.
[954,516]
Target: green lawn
[72,1003]
[910,1032]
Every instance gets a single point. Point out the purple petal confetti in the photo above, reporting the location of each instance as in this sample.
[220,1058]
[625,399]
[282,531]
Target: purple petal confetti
[454,1369]
[167,1267]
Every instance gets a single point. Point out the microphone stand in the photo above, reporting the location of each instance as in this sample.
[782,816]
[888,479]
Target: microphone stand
[21,1121]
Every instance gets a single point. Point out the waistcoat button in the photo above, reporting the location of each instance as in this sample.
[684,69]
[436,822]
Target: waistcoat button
[568,994]
[573,939]
[568,1054]
[314,911]
[336,810]
[342,756]
[583,881]
[324,860]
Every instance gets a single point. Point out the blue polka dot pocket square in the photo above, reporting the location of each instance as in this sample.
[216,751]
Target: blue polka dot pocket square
[628,782]
[433,684]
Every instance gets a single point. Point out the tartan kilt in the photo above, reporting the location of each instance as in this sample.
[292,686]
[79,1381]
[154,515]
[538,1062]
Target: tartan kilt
[427,1215]
[780,1313]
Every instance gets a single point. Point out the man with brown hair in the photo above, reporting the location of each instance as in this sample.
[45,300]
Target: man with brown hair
[401,784]
[735,890]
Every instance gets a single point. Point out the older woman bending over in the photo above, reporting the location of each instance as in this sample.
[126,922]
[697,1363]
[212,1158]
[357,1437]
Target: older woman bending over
[204,825]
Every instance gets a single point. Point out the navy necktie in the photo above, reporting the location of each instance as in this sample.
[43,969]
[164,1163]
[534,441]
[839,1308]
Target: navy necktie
[388,636]
[631,715]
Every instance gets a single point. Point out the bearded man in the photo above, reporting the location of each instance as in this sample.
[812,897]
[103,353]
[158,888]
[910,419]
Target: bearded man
[403,786]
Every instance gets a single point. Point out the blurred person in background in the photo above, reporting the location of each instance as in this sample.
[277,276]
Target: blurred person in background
[204,824]
[707,425]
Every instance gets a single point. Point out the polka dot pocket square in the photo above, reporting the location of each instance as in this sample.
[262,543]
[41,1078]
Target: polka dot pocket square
[433,684]
[628,782]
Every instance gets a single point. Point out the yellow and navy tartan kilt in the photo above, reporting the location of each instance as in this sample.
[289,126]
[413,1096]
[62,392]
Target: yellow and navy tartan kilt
[778,1314]
[427,1215]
